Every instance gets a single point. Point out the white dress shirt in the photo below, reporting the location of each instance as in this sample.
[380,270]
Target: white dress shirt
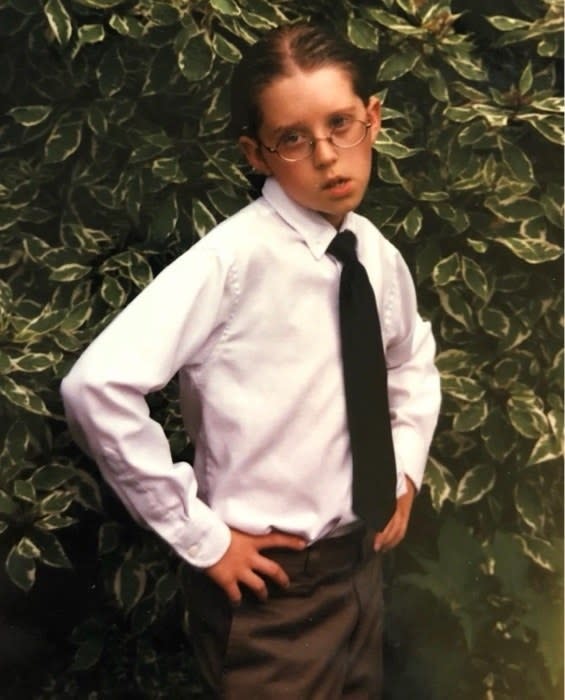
[248,318]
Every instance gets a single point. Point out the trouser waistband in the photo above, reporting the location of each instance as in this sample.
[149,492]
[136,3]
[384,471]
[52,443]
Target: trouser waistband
[325,555]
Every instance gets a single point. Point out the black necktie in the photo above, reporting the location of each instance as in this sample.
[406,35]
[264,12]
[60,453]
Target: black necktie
[366,395]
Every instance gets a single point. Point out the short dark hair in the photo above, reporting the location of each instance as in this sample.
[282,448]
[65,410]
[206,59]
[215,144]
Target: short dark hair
[280,50]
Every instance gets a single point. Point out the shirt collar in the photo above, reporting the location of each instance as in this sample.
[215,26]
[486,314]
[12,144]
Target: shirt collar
[316,231]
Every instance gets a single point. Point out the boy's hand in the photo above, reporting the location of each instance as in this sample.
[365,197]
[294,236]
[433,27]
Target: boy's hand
[396,527]
[243,563]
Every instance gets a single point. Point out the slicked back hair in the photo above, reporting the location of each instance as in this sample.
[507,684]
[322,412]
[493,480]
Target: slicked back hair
[280,52]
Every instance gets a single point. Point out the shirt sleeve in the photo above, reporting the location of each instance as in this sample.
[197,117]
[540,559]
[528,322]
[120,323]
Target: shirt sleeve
[175,322]
[413,379]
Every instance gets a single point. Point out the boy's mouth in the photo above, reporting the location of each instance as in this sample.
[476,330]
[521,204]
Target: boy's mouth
[334,182]
[338,187]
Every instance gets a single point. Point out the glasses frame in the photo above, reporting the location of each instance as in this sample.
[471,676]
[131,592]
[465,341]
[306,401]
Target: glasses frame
[312,143]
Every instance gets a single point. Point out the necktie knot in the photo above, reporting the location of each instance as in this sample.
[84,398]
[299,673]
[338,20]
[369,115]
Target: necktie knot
[344,247]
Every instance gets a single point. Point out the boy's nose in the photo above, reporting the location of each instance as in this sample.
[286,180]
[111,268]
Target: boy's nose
[324,152]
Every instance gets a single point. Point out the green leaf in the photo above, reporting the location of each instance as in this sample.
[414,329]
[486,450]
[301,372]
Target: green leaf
[547,447]
[532,250]
[494,322]
[30,115]
[507,24]
[470,417]
[506,372]
[529,504]
[129,584]
[455,306]
[362,34]
[22,396]
[225,49]
[88,654]
[225,7]
[77,316]
[462,388]
[498,438]
[526,79]
[111,72]
[112,292]
[163,14]
[550,128]
[454,361]
[412,222]
[202,218]
[465,66]
[51,551]
[165,218]
[526,417]
[108,537]
[56,502]
[541,552]
[126,25]
[36,361]
[441,482]
[401,62]
[63,140]
[86,491]
[517,161]
[168,169]
[89,34]
[166,587]
[51,476]
[20,566]
[475,278]
[195,59]
[475,484]
[55,521]
[7,505]
[59,21]
[69,272]
[447,270]
[23,489]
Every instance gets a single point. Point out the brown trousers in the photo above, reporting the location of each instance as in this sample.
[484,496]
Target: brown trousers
[319,639]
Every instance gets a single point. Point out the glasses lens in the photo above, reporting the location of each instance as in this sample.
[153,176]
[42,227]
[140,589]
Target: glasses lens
[351,135]
[295,147]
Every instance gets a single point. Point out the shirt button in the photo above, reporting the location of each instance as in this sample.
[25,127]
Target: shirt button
[193,550]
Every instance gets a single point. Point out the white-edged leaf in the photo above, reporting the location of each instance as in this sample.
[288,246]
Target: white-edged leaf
[475,484]
[59,21]
[529,504]
[202,218]
[129,584]
[30,115]
[441,482]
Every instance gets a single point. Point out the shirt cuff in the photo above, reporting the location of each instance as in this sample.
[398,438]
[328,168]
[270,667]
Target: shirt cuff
[204,544]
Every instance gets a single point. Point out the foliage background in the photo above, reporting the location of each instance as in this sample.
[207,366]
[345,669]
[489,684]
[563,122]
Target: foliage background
[115,159]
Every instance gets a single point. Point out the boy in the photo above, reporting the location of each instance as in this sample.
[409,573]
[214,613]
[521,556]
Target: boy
[284,586]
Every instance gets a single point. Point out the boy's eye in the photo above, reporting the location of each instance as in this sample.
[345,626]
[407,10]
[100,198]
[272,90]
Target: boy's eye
[292,138]
[340,123]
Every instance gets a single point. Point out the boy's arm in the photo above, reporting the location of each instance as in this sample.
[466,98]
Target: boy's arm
[174,322]
[414,398]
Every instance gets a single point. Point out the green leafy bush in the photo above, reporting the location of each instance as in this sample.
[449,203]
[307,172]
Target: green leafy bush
[115,159]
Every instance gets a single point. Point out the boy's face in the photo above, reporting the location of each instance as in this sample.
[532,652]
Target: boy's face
[331,181]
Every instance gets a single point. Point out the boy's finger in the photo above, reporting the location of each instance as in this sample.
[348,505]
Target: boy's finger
[274,571]
[256,584]
[233,593]
[279,539]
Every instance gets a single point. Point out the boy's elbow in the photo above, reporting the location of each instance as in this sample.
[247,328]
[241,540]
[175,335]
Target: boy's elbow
[76,386]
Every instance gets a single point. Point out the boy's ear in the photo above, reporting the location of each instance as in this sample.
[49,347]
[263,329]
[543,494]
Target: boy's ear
[374,114]
[252,151]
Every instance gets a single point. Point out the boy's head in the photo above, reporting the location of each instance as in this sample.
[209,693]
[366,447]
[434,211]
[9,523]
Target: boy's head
[303,111]
[281,51]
